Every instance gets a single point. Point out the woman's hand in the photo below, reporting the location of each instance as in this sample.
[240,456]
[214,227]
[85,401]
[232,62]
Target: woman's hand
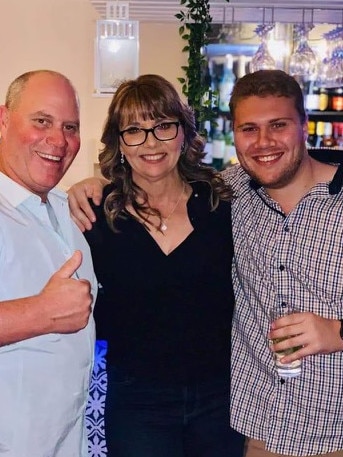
[79,193]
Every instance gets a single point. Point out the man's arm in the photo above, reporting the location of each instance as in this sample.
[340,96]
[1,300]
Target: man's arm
[63,306]
[79,194]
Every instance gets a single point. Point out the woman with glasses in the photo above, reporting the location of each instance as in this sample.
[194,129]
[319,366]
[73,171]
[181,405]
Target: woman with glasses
[162,250]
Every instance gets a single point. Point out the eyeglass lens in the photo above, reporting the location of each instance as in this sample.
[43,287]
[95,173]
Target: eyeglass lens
[163,132]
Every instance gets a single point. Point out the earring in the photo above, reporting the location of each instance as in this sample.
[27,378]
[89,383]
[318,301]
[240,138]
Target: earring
[182,149]
[122,160]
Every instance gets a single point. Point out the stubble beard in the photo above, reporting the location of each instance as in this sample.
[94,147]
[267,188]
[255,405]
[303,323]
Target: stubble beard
[281,180]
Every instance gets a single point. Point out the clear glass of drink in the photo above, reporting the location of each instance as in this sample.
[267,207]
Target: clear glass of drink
[284,370]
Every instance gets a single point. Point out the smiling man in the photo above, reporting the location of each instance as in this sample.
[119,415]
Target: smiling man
[288,231]
[39,130]
[46,323]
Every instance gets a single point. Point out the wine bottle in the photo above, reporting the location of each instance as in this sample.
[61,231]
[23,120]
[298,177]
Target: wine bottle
[226,84]
[230,157]
[311,137]
[209,145]
[218,145]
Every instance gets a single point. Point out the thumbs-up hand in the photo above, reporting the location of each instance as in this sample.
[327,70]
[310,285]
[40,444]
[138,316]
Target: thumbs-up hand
[67,301]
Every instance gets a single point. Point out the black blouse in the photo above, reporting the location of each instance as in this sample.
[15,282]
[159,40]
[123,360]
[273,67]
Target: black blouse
[166,317]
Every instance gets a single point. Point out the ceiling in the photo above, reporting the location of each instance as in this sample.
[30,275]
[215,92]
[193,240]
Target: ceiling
[239,10]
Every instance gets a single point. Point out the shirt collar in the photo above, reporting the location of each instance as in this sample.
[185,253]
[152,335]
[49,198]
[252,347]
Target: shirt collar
[333,156]
[16,194]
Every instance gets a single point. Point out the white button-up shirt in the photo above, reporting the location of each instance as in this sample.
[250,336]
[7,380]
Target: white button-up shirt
[43,380]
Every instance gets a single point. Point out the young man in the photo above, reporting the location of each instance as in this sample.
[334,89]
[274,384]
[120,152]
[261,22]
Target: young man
[46,325]
[288,231]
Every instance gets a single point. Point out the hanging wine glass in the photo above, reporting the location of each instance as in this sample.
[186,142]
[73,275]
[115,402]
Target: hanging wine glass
[324,66]
[303,63]
[262,60]
[332,75]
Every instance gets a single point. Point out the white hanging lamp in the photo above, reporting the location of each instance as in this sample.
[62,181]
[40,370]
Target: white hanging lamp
[116,48]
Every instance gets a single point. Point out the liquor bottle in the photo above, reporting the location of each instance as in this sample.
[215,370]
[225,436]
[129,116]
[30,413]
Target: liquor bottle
[207,84]
[338,134]
[319,133]
[323,99]
[226,84]
[337,99]
[328,140]
[208,146]
[230,157]
[312,137]
[311,96]
[218,144]
[213,81]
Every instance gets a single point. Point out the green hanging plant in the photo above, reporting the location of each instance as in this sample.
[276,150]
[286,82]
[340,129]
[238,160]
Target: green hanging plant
[195,26]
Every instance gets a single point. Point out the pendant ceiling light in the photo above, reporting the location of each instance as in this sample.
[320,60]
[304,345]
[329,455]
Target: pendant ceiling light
[116,48]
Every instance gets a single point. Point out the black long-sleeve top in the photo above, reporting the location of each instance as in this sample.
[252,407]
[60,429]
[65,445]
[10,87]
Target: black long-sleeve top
[166,317]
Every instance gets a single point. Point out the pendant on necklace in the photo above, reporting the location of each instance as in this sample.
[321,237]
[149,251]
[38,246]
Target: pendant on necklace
[166,219]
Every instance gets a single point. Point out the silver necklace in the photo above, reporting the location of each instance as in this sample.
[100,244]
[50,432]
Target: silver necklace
[164,226]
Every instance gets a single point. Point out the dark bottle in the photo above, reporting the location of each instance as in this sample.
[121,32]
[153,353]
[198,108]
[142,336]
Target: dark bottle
[337,99]
[311,137]
[338,135]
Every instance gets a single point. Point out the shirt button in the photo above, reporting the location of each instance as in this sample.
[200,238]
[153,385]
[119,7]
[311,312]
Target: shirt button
[281,267]
[286,228]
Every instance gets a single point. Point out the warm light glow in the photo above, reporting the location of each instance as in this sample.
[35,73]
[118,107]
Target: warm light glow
[113,45]
[117,52]
[321,49]
[278,49]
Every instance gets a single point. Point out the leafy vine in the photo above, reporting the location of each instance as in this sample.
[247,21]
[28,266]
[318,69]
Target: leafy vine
[195,26]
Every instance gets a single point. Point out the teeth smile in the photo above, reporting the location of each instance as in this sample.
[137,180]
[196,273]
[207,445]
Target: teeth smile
[153,157]
[267,158]
[49,157]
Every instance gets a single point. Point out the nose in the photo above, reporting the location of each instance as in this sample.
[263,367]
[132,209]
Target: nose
[56,137]
[150,139]
[265,137]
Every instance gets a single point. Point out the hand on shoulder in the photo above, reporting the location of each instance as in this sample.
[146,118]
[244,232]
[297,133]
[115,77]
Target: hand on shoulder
[78,195]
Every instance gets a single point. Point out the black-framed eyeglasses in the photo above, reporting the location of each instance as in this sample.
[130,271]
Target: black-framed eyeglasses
[135,136]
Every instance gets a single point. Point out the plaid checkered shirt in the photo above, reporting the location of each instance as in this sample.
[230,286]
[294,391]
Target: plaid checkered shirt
[296,258]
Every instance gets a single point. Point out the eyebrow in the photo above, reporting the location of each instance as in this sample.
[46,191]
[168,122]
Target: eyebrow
[271,121]
[49,116]
[156,121]
[42,113]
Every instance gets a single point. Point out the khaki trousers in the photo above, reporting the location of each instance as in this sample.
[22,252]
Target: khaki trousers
[255,448]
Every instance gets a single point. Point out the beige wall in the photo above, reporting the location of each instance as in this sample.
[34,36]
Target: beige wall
[59,34]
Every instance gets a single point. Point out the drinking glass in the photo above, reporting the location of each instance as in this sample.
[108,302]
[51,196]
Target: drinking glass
[331,74]
[262,60]
[284,370]
[303,63]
